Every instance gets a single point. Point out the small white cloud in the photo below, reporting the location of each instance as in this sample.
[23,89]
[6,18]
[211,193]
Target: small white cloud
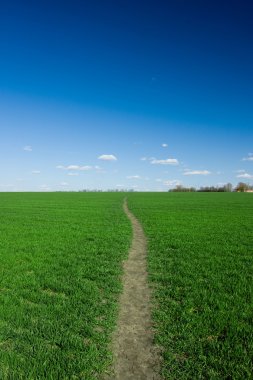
[147,158]
[64,183]
[164,145]
[197,172]
[6,186]
[245,175]
[240,171]
[158,180]
[44,188]
[73,174]
[86,167]
[107,157]
[133,177]
[173,182]
[36,172]
[168,161]
[27,148]
[72,167]
[249,158]
[75,167]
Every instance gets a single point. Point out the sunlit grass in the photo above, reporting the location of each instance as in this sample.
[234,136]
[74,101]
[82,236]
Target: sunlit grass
[60,267]
[200,259]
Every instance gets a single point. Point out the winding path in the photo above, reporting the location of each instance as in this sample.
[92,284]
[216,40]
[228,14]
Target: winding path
[135,357]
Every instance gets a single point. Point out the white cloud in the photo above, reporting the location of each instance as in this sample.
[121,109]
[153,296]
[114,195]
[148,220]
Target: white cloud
[36,172]
[73,174]
[44,188]
[64,183]
[245,175]
[147,158]
[164,145]
[133,177]
[249,158]
[7,185]
[27,148]
[173,182]
[158,180]
[197,172]
[75,167]
[86,167]
[107,157]
[168,161]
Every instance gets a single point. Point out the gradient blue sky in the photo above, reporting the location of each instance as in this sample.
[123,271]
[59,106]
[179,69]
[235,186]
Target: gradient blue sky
[89,92]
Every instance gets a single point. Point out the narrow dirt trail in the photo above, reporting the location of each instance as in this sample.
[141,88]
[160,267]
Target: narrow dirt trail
[135,357]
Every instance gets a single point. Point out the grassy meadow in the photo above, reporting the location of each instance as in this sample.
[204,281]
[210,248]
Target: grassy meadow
[60,264]
[200,260]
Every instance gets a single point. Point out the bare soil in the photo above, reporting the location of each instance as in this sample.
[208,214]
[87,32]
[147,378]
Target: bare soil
[135,356]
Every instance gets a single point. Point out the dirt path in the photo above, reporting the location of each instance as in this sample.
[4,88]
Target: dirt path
[135,356]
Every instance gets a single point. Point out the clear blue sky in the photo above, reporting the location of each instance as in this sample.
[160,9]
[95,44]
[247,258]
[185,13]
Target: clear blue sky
[90,91]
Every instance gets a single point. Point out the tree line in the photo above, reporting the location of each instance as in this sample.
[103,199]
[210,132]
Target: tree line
[228,187]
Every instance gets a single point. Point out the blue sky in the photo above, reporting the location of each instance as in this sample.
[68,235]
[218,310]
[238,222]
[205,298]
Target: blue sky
[125,94]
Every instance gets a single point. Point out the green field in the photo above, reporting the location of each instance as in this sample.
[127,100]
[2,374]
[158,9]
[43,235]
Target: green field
[60,278]
[60,264]
[200,261]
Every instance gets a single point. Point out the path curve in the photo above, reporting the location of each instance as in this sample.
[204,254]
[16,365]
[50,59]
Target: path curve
[135,356]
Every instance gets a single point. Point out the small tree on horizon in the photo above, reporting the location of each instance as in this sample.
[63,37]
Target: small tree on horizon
[241,187]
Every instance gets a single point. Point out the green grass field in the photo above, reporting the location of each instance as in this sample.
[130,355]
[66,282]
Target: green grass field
[200,261]
[60,264]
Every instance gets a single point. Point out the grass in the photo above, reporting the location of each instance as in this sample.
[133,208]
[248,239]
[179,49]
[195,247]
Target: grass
[200,262]
[60,267]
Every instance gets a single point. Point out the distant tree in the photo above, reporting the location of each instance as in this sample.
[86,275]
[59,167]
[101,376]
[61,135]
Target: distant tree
[208,189]
[225,188]
[228,187]
[241,187]
[178,188]
[214,189]
[182,189]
